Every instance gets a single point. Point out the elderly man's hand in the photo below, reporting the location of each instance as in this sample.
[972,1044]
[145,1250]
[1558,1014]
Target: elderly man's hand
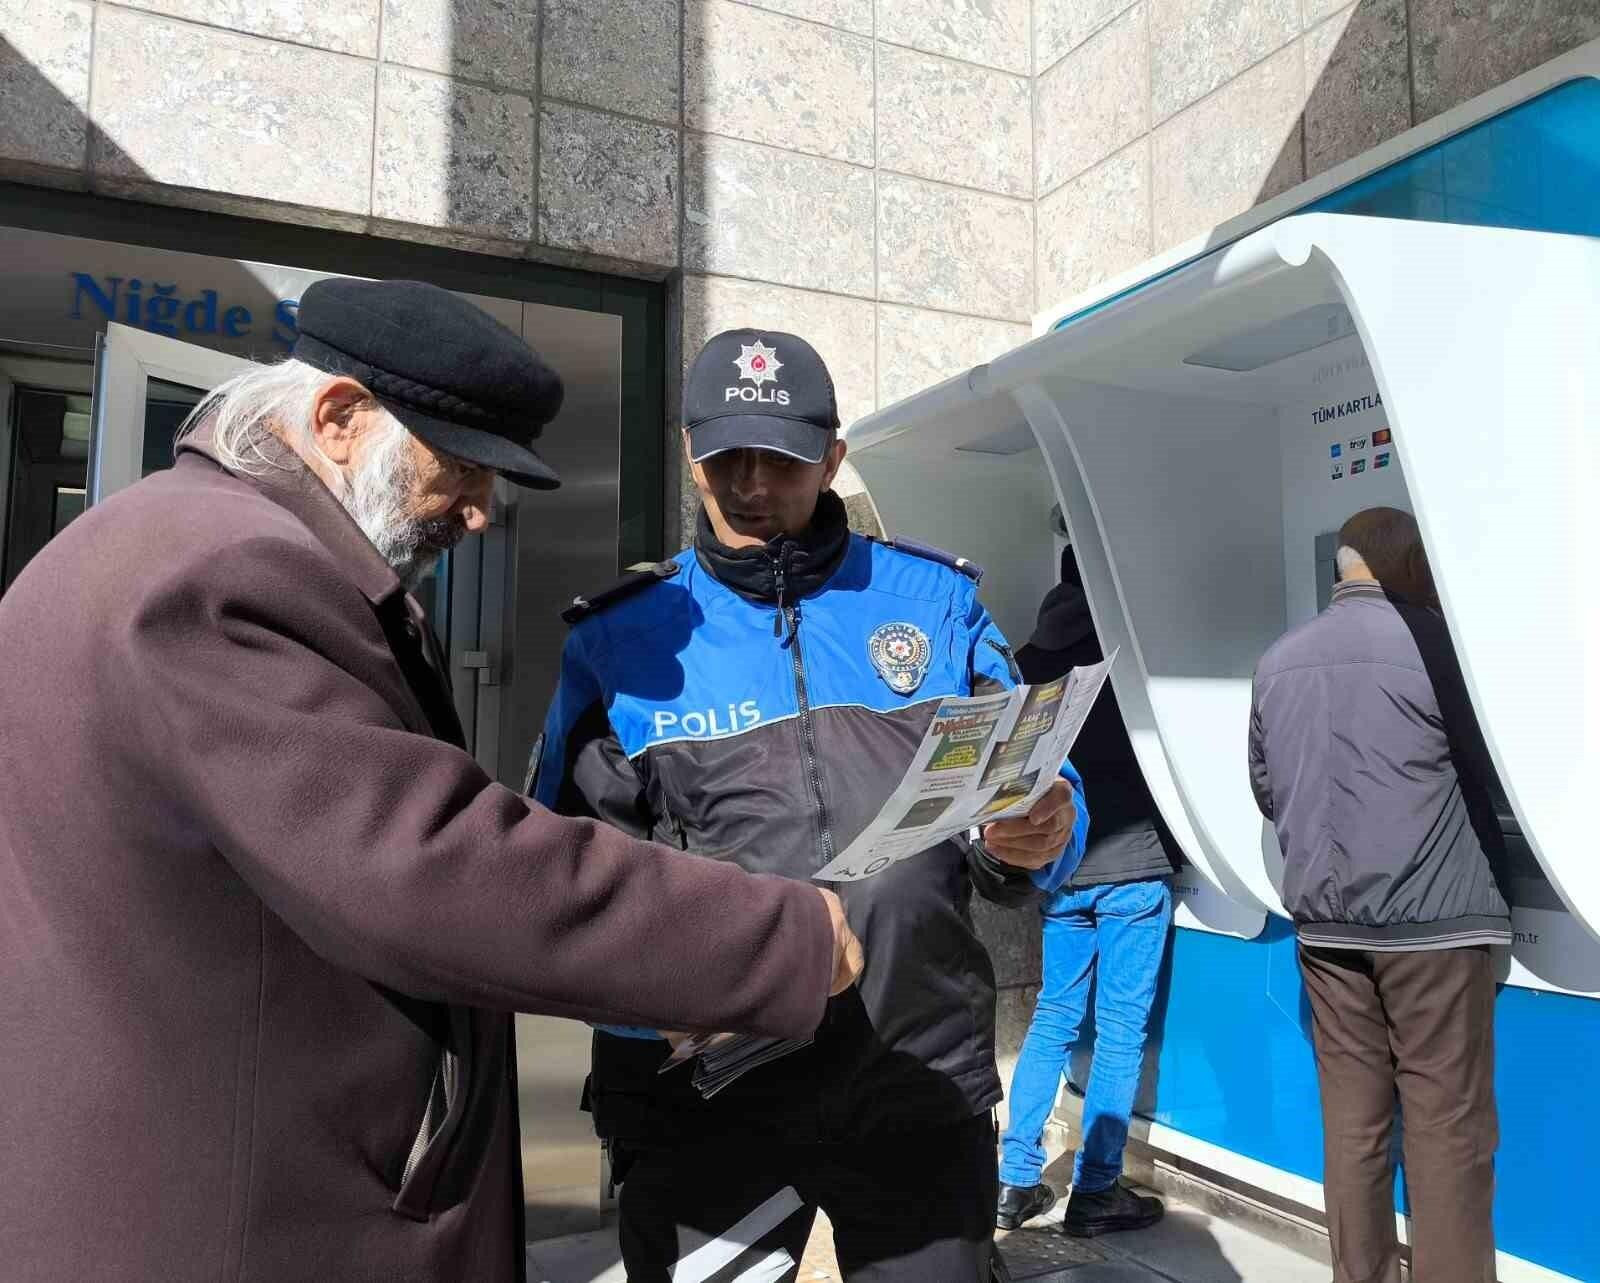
[1034,840]
[847,960]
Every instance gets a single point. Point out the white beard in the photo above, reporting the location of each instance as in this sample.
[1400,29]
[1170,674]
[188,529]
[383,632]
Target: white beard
[378,494]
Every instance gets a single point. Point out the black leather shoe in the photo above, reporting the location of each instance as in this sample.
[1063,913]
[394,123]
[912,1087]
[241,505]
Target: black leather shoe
[1019,1203]
[1106,1211]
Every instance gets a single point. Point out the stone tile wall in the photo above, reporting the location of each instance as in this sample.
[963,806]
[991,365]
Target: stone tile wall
[861,173]
[1157,119]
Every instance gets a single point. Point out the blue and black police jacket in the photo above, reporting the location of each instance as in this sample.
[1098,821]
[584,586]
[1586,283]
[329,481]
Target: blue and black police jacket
[728,703]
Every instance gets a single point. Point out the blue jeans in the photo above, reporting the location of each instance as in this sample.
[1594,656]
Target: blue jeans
[1114,935]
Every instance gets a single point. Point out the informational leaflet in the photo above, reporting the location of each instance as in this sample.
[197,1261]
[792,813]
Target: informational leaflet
[724,1058]
[984,758]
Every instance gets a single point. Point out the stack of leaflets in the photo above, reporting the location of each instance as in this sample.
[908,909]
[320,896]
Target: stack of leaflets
[724,1058]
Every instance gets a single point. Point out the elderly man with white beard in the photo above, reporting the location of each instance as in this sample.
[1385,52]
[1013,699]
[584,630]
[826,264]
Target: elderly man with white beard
[263,920]
[412,502]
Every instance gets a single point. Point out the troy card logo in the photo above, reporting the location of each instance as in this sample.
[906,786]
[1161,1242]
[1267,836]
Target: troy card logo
[760,365]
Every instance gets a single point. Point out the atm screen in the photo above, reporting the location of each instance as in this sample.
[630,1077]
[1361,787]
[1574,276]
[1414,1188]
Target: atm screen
[1522,879]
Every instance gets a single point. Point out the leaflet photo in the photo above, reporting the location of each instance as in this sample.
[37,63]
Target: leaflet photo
[923,813]
[1010,795]
[1038,715]
[963,743]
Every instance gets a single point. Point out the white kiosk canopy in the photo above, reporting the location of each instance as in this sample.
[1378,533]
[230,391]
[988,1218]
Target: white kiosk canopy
[1205,435]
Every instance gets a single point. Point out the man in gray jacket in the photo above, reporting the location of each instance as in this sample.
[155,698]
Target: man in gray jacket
[1366,756]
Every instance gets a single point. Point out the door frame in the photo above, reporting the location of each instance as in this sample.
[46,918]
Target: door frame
[644,502]
[125,361]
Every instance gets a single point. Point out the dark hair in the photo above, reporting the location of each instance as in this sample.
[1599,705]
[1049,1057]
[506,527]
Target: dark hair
[1389,541]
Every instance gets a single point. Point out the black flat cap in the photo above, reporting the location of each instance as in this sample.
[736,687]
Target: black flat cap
[449,371]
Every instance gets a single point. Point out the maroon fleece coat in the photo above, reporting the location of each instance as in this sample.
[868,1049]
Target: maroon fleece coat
[263,920]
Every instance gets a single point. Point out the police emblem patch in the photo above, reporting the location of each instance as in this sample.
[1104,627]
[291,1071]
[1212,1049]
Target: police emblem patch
[900,653]
[758,363]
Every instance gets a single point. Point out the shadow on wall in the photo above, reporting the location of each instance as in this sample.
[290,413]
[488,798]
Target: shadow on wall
[554,132]
[1374,69]
[489,154]
[45,135]
[447,92]
[1359,91]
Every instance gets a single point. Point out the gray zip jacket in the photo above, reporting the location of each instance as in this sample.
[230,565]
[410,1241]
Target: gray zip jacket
[1367,758]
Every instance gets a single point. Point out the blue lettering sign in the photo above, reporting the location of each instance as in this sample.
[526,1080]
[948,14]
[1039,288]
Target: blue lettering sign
[164,309]
[161,310]
[200,317]
[287,328]
[83,283]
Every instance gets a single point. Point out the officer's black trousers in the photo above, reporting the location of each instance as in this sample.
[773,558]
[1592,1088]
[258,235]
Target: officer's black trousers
[912,1207]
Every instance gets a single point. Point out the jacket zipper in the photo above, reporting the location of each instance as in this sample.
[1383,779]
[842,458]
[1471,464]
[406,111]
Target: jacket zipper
[788,620]
[441,1096]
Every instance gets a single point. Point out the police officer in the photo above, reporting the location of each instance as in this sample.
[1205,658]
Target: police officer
[756,699]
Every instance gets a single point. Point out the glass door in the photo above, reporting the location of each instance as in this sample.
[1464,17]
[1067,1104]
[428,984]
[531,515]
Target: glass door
[144,387]
[72,433]
[44,453]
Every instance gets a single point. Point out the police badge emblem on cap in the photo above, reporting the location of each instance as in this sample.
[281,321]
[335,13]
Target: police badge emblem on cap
[900,653]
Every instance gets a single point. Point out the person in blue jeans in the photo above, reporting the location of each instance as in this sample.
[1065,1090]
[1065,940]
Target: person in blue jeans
[1105,930]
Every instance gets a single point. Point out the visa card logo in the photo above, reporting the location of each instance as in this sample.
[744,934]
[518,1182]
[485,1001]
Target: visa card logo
[1335,450]
[1338,471]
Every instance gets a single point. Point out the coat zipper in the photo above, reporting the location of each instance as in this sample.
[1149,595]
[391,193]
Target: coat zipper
[441,1096]
[788,620]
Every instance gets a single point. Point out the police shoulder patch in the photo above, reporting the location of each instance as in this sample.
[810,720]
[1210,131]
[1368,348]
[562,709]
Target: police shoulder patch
[636,577]
[928,552]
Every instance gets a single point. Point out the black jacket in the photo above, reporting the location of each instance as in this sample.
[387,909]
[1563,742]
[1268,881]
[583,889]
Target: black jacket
[1129,842]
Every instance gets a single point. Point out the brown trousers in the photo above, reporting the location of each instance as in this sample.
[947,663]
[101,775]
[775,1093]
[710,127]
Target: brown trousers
[1420,1025]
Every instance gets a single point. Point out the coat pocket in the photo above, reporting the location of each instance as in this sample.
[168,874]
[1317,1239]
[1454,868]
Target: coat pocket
[441,1118]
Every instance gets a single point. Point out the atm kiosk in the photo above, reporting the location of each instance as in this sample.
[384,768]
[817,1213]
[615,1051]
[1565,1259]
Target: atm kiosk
[1204,432]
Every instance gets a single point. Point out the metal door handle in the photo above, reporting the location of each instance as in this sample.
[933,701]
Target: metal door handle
[479,659]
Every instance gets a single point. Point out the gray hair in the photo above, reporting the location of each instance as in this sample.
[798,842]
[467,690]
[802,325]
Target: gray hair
[1347,559]
[265,401]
